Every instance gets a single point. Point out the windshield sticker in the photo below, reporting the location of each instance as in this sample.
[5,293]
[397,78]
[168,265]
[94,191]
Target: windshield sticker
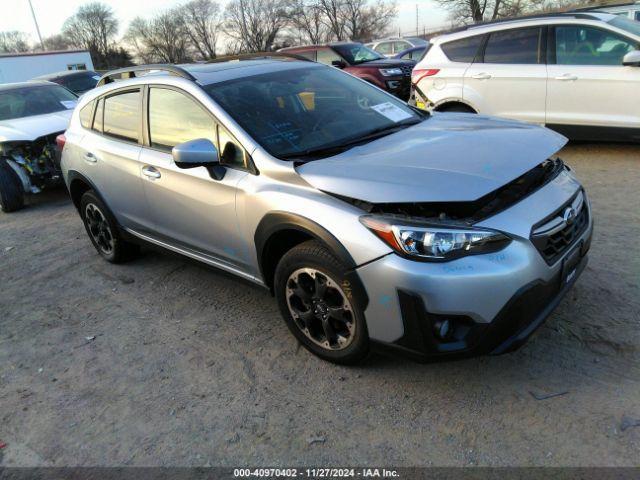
[389,110]
[68,104]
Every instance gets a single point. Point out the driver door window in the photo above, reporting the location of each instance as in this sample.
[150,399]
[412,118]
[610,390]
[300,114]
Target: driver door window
[583,45]
[175,118]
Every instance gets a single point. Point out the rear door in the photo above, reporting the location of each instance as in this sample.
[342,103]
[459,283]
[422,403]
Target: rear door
[588,85]
[191,209]
[509,80]
[111,151]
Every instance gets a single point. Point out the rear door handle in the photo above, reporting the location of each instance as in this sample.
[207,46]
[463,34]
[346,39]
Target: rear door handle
[90,157]
[150,172]
[567,77]
[481,76]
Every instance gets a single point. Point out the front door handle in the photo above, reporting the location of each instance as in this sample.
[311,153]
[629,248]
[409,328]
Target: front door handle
[90,157]
[481,76]
[567,77]
[150,172]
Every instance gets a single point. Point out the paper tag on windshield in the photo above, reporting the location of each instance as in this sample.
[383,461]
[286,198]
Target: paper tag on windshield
[96,77]
[68,104]
[390,111]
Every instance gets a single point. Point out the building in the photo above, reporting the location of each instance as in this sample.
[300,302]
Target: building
[19,67]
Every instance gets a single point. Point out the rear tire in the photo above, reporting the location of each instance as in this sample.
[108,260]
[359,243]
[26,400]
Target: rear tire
[11,192]
[102,228]
[320,312]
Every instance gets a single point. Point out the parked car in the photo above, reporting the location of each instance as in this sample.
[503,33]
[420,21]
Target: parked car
[630,10]
[78,81]
[391,75]
[390,47]
[373,223]
[575,73]
[32,115]
[414,53]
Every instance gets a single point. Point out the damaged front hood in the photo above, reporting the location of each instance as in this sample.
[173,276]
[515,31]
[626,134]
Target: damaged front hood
[30,128]
[447,158]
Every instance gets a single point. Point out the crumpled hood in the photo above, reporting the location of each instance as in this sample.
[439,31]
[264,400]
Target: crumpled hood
[30,128]
[448,157]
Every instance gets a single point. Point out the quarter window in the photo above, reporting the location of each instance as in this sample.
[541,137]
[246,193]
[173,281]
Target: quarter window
[175,118]
[581,45]
[520,46]
[122,116]
[463,50]
[230,152]
[86,115]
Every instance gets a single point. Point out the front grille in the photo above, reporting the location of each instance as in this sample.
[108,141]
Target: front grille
[555,235]
[406,70]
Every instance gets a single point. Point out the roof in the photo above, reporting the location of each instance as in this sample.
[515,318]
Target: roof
[64,73]
[36,54]
[30,83]
[605,17]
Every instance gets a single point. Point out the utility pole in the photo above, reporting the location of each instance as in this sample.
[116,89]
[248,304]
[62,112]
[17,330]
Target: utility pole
[417,31]
[33,14]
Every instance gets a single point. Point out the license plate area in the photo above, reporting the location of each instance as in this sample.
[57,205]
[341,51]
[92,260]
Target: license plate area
[570,263]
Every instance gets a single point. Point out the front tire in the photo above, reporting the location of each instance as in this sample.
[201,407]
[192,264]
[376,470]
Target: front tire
[320,312]
[11,193]
[103,230]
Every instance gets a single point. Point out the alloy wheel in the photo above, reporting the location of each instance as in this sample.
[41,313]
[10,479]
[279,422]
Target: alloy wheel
[320,309]
[99,228]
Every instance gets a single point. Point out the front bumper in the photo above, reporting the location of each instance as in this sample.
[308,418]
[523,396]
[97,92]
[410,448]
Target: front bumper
[492,302]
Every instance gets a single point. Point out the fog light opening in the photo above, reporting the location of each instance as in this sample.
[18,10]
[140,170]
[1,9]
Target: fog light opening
[443,329]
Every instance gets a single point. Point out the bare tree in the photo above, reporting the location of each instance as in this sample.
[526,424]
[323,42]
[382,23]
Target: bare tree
[333,14]
[163,38]
[57,42]
[13,42]
[464,11]
[202,19]
[253,25]
[364,21]
[93,27]
[308,20]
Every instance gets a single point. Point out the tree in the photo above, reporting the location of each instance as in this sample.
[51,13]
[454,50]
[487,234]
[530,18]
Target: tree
[13,42]
[163,38]
[478,11]
[307,18]
[202,20]
[57,42]
[365,21]
[93,27]
[253,25]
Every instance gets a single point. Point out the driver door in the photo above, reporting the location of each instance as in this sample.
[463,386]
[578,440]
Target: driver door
[587,83]
[191,210]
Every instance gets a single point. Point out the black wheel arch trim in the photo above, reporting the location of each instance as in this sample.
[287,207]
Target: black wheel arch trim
[275,222]
[73,175]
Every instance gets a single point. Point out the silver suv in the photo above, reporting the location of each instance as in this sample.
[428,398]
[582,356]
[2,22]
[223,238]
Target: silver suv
[374,224]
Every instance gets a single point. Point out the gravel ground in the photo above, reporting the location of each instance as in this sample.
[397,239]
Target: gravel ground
[190,366]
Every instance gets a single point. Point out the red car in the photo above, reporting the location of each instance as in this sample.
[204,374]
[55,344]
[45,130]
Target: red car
[390,74]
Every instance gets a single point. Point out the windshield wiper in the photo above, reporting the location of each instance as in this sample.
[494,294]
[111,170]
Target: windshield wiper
[344,145]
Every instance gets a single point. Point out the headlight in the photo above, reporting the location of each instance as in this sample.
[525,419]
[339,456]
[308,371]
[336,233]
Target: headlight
[434,242]
[390,72]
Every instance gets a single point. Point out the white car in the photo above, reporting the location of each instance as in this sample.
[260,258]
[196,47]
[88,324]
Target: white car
[577,73]
[390,47]
[32,115]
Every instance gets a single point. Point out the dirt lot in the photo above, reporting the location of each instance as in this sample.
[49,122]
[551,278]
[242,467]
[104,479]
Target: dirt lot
[192,367]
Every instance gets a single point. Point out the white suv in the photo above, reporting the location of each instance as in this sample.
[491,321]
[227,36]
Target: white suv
[577,73]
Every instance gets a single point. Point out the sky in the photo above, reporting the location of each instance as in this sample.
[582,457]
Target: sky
[51,14]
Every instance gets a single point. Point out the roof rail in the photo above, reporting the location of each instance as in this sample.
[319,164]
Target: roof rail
[130,72]
[577,15]
[260,55]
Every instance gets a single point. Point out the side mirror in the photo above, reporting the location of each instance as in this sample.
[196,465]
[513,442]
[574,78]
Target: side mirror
[632,59]
[339,63]
[199,153]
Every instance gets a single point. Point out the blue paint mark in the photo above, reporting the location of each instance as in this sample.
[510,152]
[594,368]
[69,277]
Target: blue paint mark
[385,300]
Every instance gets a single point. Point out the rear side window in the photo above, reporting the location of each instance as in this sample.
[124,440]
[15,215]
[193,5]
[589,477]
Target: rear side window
[310,54]
[384,48]
[122,116]
[175,118]
[326,56]
[86,115]
[519,46]
[463,50]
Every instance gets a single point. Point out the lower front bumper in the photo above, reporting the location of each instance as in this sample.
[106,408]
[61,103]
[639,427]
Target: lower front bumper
[523,314]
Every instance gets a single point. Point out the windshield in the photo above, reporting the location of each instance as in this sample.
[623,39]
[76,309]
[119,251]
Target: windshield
[355,53]
[35,100]
[626,24]
[80,83]
[292,113]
